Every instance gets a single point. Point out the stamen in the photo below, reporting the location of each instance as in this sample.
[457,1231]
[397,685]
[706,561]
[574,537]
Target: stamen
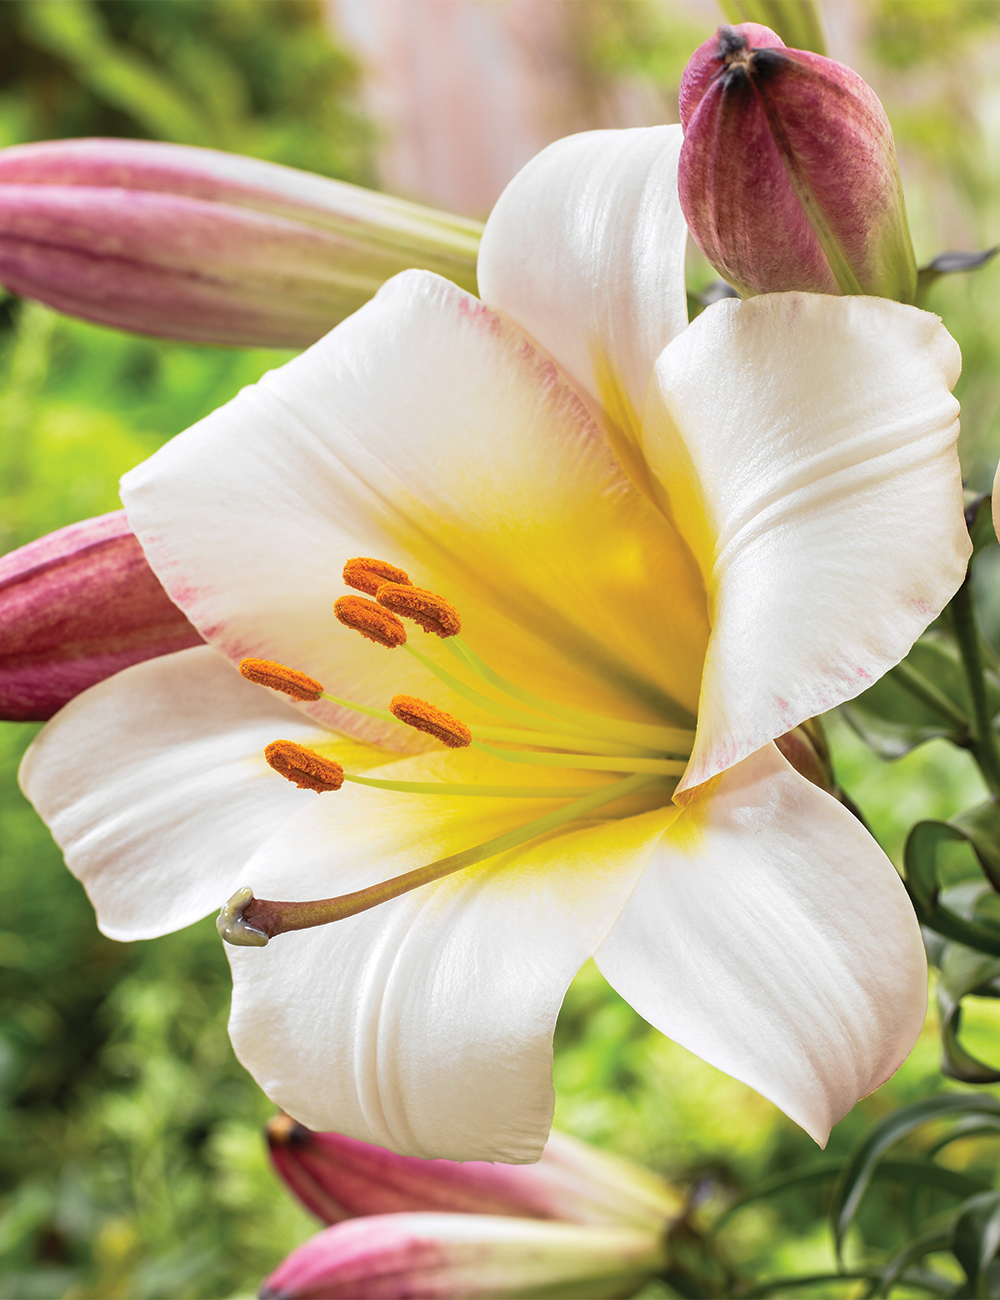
[593,762]
[483,791]
[434,721]
[250,922]
[675,740]
[367,575]
[288,680]
[370,620]
[307,769]
[431,611]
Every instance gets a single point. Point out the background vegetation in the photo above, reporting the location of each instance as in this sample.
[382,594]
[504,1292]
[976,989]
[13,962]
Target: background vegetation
[131,1163]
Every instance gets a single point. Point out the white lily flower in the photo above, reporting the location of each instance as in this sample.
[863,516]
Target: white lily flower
[668,540]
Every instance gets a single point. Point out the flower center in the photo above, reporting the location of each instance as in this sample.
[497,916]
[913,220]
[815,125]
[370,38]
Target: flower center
[538,733]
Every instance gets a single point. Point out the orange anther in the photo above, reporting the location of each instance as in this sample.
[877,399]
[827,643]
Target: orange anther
[307,769]
[431,611]
[288,680]
[370,620]
[426,717]
[367,575]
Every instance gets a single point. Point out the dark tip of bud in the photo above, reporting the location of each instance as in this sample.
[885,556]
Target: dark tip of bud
[768,62]
[730,42]
[283,1131]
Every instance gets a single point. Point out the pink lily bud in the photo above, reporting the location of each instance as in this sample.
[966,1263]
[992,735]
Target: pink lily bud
[788,174]
[212,247]
[75,607]
[468,1255]
[339,1177]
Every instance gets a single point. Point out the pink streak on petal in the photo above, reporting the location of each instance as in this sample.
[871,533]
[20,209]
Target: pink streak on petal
[75,607]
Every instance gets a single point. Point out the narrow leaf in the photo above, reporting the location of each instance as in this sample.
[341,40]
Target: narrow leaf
[862,1163]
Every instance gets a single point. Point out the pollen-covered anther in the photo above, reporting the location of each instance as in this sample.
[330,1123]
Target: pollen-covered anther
[371,620]
[367,575]
[264,672]
[434,721]
[304,767]
[431,611]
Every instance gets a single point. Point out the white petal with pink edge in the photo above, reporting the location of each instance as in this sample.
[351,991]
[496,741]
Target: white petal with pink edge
[429,432]
[155,787]
[771,936]
[806,447]
[425,1024]
[585,250]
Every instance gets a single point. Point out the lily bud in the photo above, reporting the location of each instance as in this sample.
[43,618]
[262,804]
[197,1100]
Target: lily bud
[466,1255]
[211,247]
[788,174]
[75,607]
[339,1177]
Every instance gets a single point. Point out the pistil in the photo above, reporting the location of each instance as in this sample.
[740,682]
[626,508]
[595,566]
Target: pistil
[250,922]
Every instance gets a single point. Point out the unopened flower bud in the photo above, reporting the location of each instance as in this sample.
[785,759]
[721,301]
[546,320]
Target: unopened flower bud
[338,1177]
[195,244]
[466,1255]
[788,174]
[75,607]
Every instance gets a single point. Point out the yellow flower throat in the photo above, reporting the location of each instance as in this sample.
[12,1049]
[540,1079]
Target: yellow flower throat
[543,733]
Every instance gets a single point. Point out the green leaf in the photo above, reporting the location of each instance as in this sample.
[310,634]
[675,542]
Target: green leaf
[979,509]
[964,972]
[981,827]
[74,31]
[909,1172]
[860,1167]
[973,1126]
[924,697]
[925,1281]
[921,877]
[939,1239]
[975,1238]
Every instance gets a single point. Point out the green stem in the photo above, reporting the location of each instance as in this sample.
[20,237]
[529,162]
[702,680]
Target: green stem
[984,738]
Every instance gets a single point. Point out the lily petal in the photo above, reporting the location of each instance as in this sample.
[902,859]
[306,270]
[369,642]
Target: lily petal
[428,431]
[772,937]
[154,785]
[806,448]
[465,1255]
[600,283]
[425,1024]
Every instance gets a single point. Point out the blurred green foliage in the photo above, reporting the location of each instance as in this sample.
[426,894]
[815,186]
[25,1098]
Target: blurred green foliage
[131,1163]
[260,77]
